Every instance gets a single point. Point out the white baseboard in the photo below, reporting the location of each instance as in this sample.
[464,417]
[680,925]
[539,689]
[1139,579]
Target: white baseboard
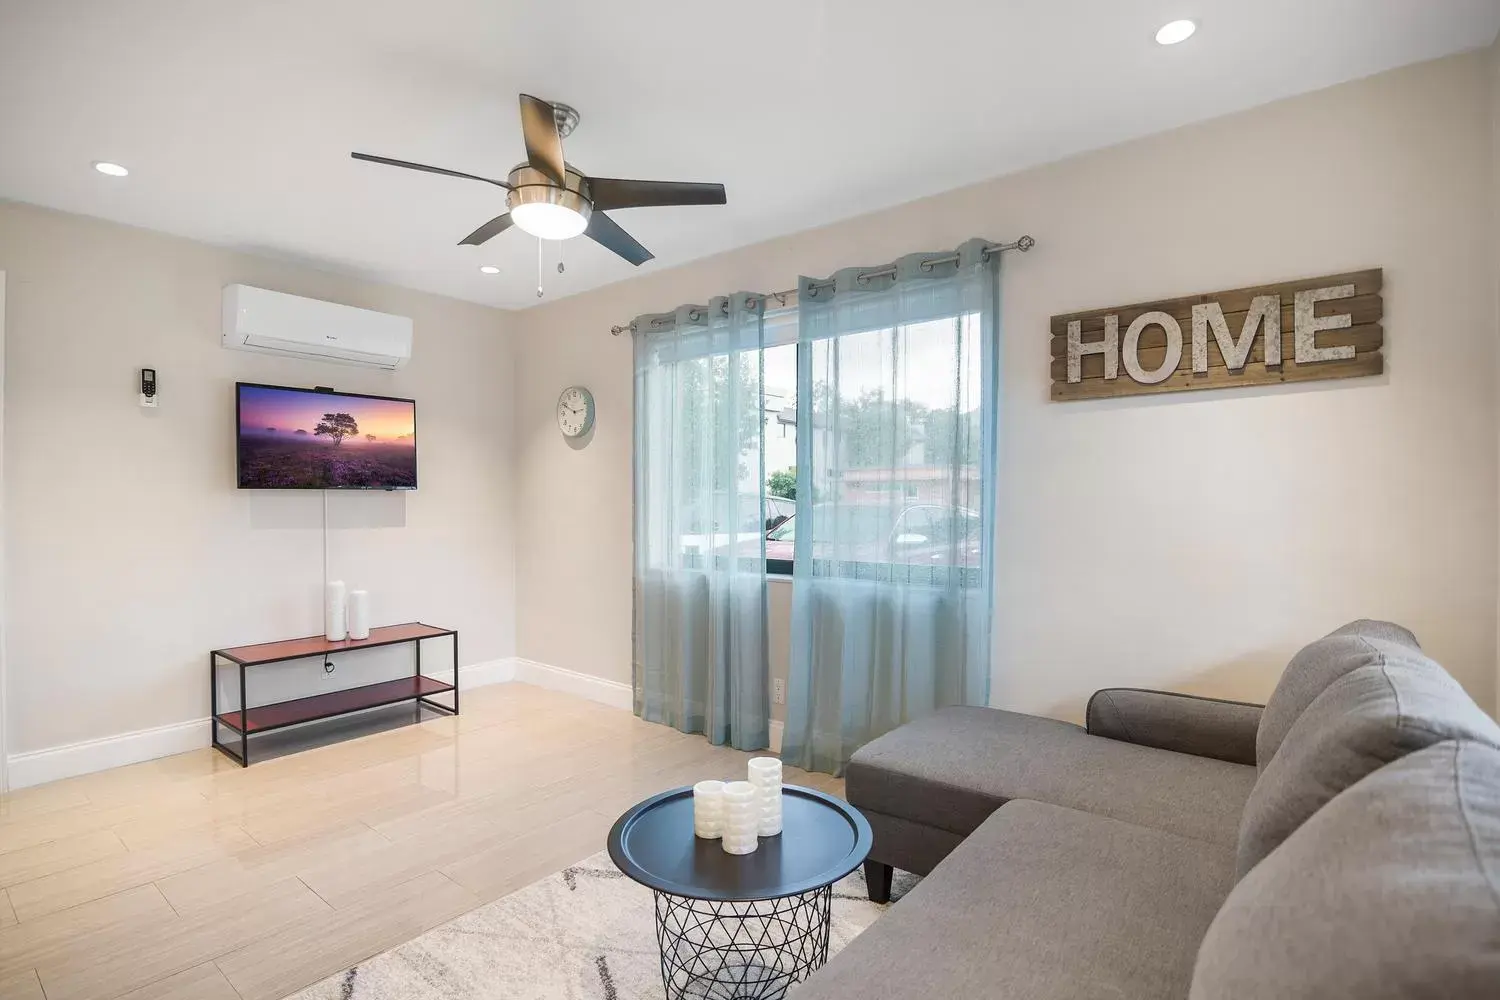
[55,763]
[611,693]
[488,672]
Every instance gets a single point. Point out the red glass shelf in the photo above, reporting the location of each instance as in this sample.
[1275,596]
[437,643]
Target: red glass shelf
[317,645]
[289,713]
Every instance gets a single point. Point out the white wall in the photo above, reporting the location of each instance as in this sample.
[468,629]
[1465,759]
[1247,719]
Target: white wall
[1190,541]
[130,552]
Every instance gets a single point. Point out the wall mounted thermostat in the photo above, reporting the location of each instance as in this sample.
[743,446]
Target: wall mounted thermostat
[148,387]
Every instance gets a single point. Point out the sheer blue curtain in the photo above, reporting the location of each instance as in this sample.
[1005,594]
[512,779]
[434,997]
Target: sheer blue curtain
[699,659]
[892,595]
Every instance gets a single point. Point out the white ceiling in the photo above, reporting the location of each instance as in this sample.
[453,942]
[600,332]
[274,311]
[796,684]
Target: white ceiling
[236,117]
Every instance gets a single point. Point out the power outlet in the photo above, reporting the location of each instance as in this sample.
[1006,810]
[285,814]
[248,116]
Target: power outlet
[778,691]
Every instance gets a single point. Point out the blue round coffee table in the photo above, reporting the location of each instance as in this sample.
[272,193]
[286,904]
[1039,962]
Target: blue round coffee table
[740,927]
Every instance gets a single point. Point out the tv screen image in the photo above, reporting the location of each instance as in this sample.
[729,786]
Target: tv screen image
[307,439]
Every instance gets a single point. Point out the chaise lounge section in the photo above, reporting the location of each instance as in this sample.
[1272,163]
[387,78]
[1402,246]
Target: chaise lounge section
[1103,860]
[930,784]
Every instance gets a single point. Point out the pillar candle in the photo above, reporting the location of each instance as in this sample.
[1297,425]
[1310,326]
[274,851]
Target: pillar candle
[708,809]
[741,818]
[765,777]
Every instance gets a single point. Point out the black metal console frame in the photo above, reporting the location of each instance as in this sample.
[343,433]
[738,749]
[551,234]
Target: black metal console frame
[242,756]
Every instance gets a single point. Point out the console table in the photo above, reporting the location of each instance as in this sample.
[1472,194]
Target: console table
[247,720]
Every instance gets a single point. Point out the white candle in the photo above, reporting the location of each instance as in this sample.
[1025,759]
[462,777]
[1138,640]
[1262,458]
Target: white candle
[741,818]
[708,809]
[765,776]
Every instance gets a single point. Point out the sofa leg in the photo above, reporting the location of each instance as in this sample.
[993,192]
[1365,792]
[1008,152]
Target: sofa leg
[878,880]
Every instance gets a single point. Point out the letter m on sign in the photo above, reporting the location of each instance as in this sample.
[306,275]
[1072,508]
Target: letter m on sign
[1264,316]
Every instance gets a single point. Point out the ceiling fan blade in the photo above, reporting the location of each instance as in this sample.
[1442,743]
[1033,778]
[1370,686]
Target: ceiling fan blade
[607,233]
[422,166]
[543,143]
[487,232]
[612,192]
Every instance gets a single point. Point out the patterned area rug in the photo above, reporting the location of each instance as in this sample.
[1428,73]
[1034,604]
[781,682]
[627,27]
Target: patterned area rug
[584,933]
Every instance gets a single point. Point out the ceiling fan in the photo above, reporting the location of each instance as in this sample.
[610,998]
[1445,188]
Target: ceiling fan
[551,200]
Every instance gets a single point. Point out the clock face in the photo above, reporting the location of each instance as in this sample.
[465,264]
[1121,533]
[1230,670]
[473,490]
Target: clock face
[575,411]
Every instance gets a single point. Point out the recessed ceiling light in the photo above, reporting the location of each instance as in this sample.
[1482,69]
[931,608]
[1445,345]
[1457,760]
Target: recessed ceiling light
[488,269]
[112,169]
[1176,31]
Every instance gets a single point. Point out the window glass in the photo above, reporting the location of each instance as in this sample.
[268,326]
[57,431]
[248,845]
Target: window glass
[896,450]
[779,376]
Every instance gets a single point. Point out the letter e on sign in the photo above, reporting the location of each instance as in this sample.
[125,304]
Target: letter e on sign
[1308,324]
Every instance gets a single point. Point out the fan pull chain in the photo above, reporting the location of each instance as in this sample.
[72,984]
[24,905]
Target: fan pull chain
[538,268]
[560,268]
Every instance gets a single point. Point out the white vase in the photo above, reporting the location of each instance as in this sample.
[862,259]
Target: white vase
[333,611]
[359,614]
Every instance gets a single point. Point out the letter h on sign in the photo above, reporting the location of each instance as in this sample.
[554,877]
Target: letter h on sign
[1109,347]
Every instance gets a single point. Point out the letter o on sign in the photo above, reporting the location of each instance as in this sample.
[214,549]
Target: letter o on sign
[1173,356]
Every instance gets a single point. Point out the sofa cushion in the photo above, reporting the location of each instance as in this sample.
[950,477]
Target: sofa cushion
[954,767]
[1361,722]
[1391,890]
[1041,902]
[1317,665]
[1187,723]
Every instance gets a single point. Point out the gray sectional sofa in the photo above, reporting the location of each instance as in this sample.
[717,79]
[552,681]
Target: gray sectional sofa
[1342,841]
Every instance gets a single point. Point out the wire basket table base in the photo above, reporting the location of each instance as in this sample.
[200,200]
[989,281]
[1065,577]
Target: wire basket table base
[742,950]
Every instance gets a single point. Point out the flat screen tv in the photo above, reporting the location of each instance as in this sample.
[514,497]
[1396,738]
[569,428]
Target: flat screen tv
[315,439]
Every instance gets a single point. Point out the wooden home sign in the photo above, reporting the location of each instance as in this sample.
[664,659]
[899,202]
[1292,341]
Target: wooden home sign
[1295,331]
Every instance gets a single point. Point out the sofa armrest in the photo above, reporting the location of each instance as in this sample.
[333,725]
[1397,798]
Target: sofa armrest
[1204,727]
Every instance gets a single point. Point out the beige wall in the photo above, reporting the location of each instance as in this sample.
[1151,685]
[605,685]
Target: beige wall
[4,757]
[130,552]
[1494,77]
[1190,541]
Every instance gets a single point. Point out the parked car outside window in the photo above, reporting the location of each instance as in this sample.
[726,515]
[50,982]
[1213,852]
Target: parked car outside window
[925,534]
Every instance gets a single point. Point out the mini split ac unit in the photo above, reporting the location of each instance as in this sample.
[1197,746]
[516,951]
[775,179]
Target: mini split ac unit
[276,323]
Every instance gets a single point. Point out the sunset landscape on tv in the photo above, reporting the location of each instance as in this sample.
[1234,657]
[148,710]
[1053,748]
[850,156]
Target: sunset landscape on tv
[305,439]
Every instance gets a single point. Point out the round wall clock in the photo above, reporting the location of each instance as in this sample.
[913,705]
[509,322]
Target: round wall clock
[575,411]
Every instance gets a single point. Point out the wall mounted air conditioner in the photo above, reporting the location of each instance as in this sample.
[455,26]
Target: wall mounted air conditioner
[256,319]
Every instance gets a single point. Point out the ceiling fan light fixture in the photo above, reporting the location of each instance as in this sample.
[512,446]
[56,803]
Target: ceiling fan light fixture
[548,221]
[548,198]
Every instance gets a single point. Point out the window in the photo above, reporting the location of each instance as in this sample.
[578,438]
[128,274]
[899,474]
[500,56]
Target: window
[893,433]
[896,445]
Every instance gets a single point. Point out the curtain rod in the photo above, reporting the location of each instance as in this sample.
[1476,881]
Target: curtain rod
[1023,244]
